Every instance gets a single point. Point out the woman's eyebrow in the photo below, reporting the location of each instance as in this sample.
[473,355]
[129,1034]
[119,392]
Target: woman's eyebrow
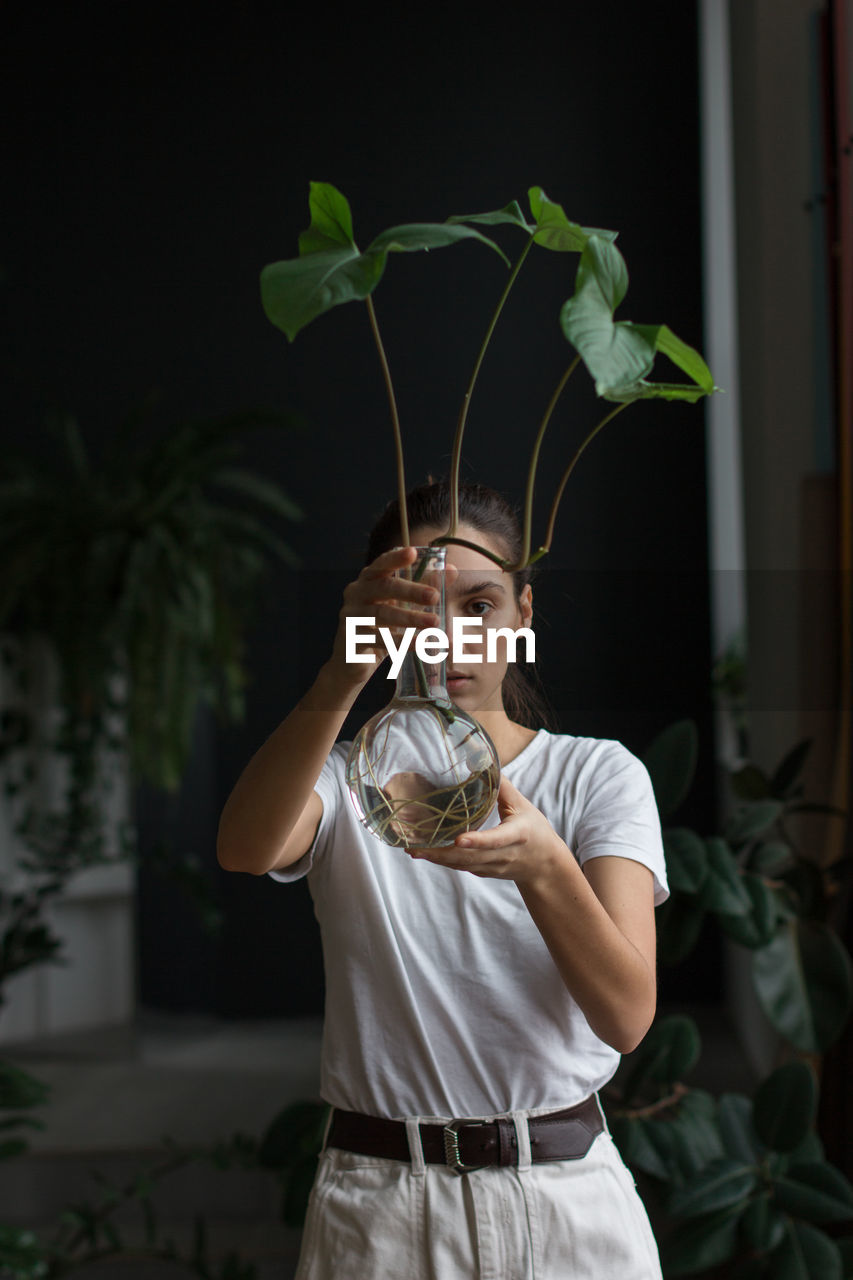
[470,590]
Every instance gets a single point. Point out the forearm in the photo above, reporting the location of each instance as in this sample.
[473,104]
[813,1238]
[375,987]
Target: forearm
[607,976]
[275,786]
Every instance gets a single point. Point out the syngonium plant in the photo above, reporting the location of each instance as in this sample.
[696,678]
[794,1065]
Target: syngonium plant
[618,354]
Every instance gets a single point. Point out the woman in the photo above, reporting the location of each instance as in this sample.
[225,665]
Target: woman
[477,995]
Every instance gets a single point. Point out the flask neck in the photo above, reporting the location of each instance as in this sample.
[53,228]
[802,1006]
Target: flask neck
[419,677]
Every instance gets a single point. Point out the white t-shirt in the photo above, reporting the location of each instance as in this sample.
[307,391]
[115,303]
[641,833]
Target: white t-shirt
[442,999]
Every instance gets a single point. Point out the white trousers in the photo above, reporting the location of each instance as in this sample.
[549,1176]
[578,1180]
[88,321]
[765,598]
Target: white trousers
[374,1219]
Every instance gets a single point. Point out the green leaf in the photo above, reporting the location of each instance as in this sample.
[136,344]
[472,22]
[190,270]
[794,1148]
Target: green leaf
[804,982]
[668,1053]
[722,1183]
[671,761]
[294,1135]
[784,1106]
[790,768]
[510,213]
[752,818]
[757,927]
[695,1246]
[762,1225]
[295,292]
[618,354]
[636,1140]
[750,783]
[266,492]
[555,231]
[724,890]
[806,1254]
[737,1131]
[770,857]
[679,922]
[686,859]
[330,270]
[417,236]
[331,220]
[816,1191]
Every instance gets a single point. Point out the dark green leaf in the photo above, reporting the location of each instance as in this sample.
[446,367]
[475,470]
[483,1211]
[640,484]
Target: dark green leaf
[261,490]
[295,292]
[752,819]
[720,1184]
[806,1254]
[762,1225]
[784,1106]
[679,921]
[417,236]
[331,220]
[816,1191]
[636,1140]
[686,859]
[668,1053]
[723,890]
[770,857]
[671,761]
[510,213]
[555,231]
[734,1117]
[758,927]
[19,1089]
[790,769]
[295,1134]
[750,783]
[695,1246]
[804,982]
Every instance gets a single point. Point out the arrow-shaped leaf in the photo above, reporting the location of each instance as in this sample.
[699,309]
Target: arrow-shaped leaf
[555,231]
[619,354]
[330,270]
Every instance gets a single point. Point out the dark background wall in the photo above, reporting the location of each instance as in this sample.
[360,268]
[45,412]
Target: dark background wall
[155,161]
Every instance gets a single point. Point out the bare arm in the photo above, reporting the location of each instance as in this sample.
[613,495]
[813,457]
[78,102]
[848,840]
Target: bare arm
[598,923]
[272,814]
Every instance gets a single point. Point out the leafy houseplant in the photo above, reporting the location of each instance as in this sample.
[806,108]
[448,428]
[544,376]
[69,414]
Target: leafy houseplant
[135,581]
[734,1179]
[331,270]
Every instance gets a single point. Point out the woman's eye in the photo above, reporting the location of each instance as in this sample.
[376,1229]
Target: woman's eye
[475,606]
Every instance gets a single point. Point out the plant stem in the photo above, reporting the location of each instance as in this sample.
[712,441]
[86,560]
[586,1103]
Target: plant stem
[475,546]
[463,413]
[534,462]
[553,516]
[395,423]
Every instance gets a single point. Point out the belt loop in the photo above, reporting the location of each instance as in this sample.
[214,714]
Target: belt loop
[416,1150]
[522,1138]
[329,1118]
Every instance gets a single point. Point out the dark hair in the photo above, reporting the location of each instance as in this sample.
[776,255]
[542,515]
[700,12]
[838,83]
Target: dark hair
[489,512]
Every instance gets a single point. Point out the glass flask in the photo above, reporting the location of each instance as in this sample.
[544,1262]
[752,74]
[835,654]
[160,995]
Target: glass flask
[422,770]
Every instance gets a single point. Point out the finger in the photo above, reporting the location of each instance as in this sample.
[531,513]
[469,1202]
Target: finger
[388,561]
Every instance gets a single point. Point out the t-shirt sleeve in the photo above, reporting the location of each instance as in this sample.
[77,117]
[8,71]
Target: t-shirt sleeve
[328,788]
[620,817]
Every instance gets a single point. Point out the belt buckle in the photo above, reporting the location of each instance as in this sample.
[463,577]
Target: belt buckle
[452,1155]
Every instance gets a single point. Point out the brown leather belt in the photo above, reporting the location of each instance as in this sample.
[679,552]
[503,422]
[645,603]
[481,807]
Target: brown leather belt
[465,1145]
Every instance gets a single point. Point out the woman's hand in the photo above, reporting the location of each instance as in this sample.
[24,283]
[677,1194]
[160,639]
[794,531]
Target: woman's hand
[394,602]
[523,847]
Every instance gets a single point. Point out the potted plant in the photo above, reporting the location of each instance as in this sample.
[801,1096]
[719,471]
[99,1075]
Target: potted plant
[450,773]
[125,597]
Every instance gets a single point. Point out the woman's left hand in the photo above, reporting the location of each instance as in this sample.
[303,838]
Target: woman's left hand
[520,848]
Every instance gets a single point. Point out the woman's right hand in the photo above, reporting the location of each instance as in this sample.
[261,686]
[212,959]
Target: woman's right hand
[394,602]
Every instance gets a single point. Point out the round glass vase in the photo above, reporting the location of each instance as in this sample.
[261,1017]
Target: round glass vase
[422,770]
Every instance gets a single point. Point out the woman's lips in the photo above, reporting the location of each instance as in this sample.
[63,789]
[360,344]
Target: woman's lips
[457,681]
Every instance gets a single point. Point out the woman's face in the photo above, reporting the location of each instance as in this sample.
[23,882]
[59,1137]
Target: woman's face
[479,589]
